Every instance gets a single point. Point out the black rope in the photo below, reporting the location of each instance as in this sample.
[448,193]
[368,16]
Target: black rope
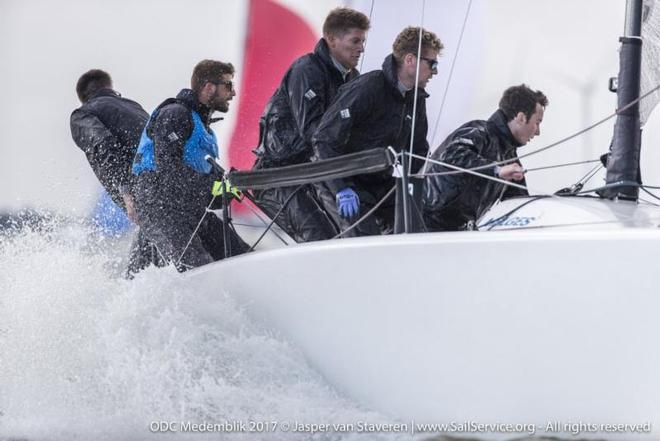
[567,164]
[367,214]
[650,193]
[493,223]
[270,225]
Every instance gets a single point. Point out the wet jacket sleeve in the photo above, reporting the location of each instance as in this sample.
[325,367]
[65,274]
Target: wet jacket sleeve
[464,151]
[512,192]
[101,148]
[350,109]
[308,100]
[170,131]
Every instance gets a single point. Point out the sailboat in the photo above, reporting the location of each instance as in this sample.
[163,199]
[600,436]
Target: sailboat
[547,313]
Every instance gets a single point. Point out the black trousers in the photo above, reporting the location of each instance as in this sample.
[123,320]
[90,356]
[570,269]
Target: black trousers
[173,234]
[303,217]
[380,222]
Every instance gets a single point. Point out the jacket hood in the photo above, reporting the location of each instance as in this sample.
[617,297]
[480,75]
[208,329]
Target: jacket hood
[187,98]
[499,121]
[390,72]
[322,51]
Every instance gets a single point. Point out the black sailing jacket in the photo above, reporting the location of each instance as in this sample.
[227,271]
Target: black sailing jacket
[451,201]
[295,109]
[371,112]
[108,128]
[175,186]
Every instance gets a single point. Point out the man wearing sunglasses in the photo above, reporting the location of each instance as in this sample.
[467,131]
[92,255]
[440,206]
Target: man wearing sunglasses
[292,115]
[173,178]
[376,110]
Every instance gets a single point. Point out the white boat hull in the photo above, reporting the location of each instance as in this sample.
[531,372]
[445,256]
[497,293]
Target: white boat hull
[505,326]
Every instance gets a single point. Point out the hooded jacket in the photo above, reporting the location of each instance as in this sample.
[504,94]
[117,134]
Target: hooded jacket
[107,129]
[176,183]
[371,112]
[295,109]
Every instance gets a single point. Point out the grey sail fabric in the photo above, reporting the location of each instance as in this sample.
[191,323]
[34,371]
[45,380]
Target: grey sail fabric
[650,58]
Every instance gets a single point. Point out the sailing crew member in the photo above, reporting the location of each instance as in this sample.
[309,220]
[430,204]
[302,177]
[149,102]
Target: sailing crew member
[292,115]
[455,201]
[107,128]
[376,110]
[174,180]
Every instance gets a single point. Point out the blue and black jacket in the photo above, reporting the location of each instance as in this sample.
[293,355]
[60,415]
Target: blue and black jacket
[169,165]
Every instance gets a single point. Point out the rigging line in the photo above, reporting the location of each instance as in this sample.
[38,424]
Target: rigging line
[495,222]
[265,222]
[568,138]
[655,204]
[421,175]
[366,38]
[471,172]
[612,185]
[451,74]
[650,194]
[199,224]
[367,214]
[586,178]
[416,86]
[596,124]
[270,225]
[567,164]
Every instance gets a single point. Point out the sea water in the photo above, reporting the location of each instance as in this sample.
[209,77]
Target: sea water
[86,354]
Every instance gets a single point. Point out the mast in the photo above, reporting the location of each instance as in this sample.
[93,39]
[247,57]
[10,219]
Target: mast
[623,164]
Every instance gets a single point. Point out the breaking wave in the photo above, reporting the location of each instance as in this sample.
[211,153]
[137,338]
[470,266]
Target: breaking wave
[86,354]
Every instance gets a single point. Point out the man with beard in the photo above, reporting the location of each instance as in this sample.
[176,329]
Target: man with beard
[293,114]
[173,178]
[455,201]
[107,128]
[376,110]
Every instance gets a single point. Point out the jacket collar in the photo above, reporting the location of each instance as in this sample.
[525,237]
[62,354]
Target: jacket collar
[390,72]
[187,98]
[498,120]
[105,92]
[323,52]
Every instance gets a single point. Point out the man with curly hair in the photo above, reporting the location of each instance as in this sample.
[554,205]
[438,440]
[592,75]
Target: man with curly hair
[376,110]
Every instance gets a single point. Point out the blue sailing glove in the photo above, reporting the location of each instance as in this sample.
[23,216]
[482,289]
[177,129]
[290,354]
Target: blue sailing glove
[348,203]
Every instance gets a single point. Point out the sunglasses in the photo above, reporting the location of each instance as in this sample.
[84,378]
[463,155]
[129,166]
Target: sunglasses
[433,64]
[229,84]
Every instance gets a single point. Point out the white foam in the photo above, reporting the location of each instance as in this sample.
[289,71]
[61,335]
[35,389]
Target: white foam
[86,354]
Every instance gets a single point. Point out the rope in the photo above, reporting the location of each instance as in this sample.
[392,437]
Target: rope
[567,164]
[451,74]
[421,175]
[493,223]
[650,194]
[472,172]
[590,175]
[416,93]
[199,224]
[270,225]
[596,124]
[265,222]
[366,38]
[367,214]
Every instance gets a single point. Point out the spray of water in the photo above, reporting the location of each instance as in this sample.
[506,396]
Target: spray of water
[86,354]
